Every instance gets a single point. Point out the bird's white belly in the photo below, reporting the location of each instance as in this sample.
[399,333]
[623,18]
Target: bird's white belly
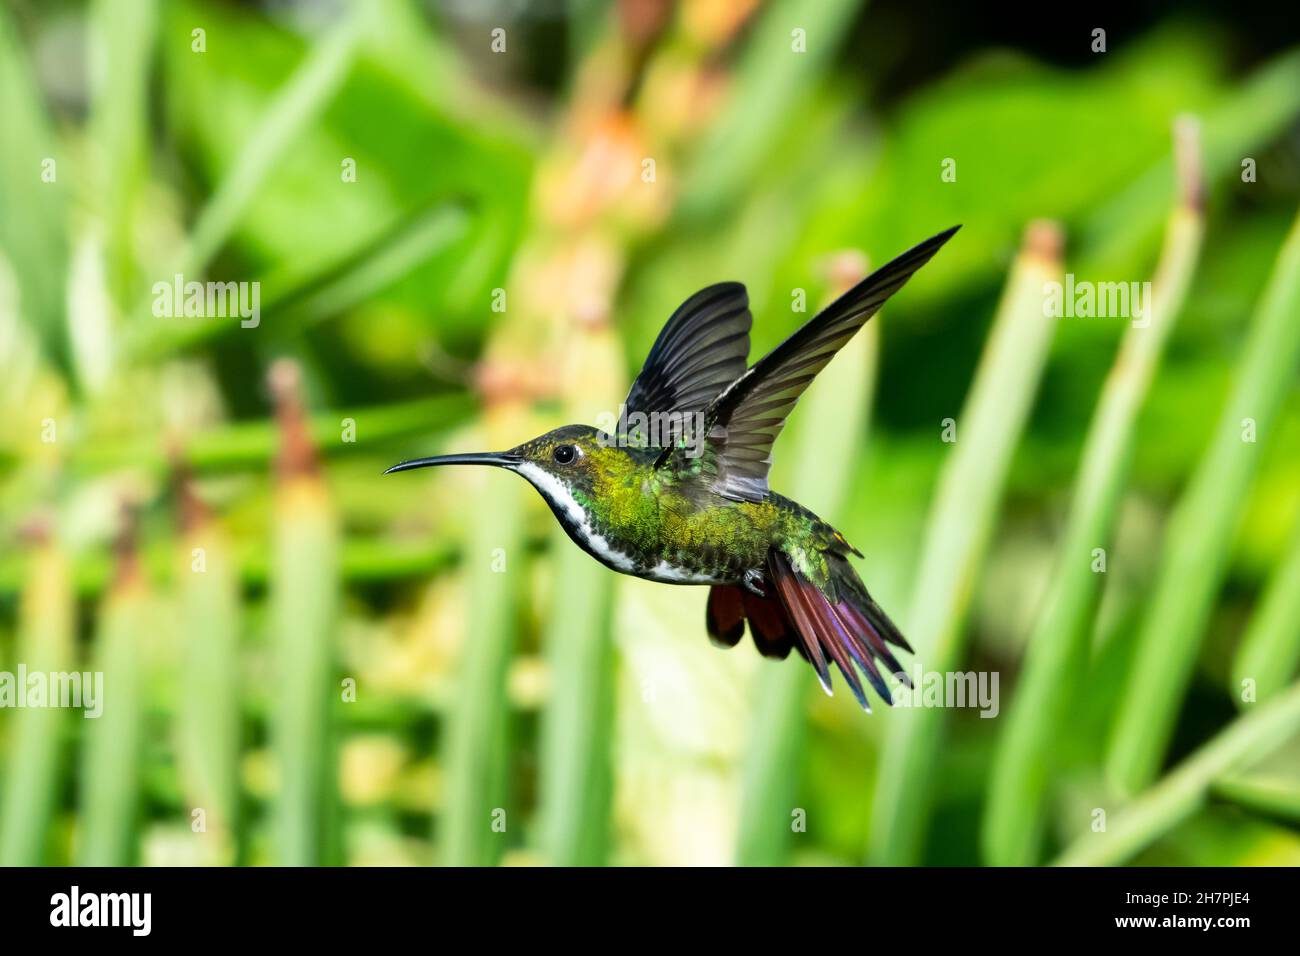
[666,573]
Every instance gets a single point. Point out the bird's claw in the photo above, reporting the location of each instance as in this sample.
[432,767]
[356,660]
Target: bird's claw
[750,581]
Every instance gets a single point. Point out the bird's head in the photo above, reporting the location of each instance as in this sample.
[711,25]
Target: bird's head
[565,465]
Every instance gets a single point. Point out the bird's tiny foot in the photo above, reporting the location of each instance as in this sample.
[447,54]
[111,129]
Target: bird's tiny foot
[751,581]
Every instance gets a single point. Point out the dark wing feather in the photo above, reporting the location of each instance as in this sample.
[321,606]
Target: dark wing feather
[743,422]
[702,349]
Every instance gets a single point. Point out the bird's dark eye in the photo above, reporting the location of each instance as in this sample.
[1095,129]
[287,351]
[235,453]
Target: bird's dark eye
[565,454]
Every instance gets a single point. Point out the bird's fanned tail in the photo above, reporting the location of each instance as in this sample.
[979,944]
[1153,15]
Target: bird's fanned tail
[840,622]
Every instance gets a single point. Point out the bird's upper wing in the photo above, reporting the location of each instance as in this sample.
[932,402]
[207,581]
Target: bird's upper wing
[702,349]
[743,421]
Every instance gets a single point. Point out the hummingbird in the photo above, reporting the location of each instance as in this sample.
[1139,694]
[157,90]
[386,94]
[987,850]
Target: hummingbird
[686,500]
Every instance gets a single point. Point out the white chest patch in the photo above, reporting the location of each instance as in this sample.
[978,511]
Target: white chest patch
[559,495]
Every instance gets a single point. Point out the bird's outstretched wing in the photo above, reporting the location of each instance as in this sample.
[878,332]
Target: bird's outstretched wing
[702,349]
[743,421]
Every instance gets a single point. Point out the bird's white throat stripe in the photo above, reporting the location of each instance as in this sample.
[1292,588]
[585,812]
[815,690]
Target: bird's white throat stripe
[558,494]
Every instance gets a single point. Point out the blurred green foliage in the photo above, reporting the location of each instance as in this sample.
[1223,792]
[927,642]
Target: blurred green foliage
[420,669]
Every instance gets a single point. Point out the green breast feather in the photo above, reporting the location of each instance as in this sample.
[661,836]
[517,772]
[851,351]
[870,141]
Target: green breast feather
[656,515]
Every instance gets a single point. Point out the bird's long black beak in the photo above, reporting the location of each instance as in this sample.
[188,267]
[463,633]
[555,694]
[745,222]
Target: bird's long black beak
[494,458]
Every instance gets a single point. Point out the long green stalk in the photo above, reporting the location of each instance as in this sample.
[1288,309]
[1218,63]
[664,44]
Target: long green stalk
[114,742]
[124,31]
[1270,796]
[1200,531]
[778,67]
[1252,115]
[304,601]
[299,101]
[254,444]
[1183,791]
[209,710]
[575,774]
[771,770]
[1270,650]
[303,616]
[476,812]
[380,558]
[960,524]
[822,442]
[1057,649]
[357,276]
[45,636]
[33,193]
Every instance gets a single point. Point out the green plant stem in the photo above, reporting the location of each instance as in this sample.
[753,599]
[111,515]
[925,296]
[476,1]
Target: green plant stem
[45,644]
[960,524]
[1058,647]
[1183,791]
[248,445]
[32,207]
[476,814]
[119,119]
[114,742]
[575,774]
[575,779]
[1253,114]
[302,98]
[1270,651]
[353,280]
[209,710]
[770,79]
[303,616]
[1275,797]
[1199,537]
[361,559]
[772,767]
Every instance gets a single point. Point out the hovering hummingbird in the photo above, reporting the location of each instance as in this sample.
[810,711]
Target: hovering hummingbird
[683,508]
